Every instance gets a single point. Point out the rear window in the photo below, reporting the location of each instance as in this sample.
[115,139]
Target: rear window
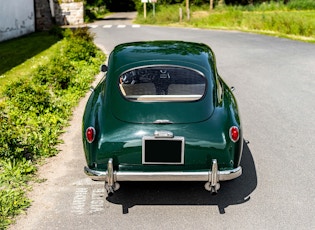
[162,83]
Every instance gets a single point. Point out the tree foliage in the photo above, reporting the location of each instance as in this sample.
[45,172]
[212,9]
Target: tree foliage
[121,6]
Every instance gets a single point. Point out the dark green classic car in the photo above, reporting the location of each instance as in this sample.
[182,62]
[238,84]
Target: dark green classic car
[162,113]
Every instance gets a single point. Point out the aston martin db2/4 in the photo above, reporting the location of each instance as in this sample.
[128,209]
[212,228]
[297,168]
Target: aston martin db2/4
[162,113]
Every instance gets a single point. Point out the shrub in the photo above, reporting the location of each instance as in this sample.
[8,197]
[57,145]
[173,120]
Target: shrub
[80,45]
[79,49]
[57,74]
[12,189]
[28,97]
[94,9]
[11,145]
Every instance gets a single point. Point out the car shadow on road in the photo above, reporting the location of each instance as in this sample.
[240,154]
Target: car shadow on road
[189,193]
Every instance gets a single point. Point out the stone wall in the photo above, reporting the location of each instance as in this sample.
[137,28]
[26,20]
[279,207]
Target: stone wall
[69,12]
[44,19]
[64,12]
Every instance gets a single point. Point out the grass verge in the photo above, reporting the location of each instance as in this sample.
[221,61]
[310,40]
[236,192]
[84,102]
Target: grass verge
[273,19]
[36,104]
[21,56]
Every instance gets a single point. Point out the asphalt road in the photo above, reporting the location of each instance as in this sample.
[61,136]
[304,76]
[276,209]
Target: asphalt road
[274,80]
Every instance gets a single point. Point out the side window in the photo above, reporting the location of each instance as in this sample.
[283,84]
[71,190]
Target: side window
[162,83]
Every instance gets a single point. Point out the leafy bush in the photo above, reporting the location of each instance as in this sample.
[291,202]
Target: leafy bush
[11,204]
[11,146]
[80,50]
[82,33]
[80,45]
[25,96]
[57,74]
[13,174]
[94,9]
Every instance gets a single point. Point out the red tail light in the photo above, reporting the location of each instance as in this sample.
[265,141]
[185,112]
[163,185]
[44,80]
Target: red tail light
[90,134]
[234,133]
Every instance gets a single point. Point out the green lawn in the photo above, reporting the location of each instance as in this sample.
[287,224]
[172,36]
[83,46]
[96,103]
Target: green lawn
[278,21]
[24,54]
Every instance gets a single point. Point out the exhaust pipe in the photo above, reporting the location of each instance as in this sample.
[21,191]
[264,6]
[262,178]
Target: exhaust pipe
[110,185]
[213,184]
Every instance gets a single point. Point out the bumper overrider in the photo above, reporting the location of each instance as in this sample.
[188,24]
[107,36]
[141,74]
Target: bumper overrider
[212,177]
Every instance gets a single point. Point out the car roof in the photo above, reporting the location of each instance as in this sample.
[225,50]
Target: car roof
[130,55]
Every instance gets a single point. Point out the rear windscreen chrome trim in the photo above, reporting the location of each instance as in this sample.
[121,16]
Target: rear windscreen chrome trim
[158,98]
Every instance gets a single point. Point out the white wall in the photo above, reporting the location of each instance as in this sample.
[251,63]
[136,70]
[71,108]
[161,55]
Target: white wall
[17,18]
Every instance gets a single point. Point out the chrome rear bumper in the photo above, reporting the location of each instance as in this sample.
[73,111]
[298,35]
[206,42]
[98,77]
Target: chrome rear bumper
[163,176]
[212,177]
